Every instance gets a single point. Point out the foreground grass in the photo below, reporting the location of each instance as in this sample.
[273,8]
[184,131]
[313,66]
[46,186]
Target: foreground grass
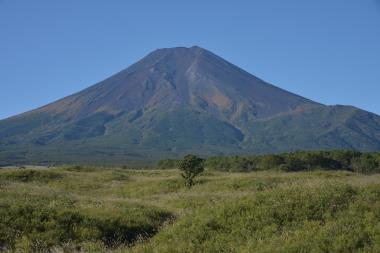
[116,210]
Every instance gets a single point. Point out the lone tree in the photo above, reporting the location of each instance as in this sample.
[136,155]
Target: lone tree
[191,166]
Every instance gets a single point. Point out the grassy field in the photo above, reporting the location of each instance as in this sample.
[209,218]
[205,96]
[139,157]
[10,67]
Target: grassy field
[118,210]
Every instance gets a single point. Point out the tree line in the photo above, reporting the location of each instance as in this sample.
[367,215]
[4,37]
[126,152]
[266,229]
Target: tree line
[361,162]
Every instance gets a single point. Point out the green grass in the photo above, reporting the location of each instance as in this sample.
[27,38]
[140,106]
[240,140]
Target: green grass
[73,209]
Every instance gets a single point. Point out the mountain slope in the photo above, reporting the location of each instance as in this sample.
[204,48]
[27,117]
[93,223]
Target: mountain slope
[181,100]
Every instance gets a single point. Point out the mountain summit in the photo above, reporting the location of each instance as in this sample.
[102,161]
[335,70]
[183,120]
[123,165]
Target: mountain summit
[180,100]
[180,78]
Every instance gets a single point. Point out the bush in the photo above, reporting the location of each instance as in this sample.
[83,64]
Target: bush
[271,161]
[167,164]
[329,218]
[366,163]
[39,228]
[77,168]
[31,175]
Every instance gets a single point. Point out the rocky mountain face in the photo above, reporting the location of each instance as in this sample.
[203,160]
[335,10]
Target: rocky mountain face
[175,101]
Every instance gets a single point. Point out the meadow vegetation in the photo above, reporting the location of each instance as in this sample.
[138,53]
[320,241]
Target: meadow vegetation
[88,209]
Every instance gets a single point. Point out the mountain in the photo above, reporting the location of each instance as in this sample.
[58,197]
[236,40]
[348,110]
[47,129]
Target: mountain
[176,101]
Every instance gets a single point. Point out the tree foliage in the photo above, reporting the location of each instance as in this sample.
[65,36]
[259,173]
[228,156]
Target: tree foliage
[191,166]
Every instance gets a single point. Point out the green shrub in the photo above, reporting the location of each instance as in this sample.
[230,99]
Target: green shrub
[329,218]
[40,228]
[28,175]
[271,161]
[167,164]
[366,163]
[78,168]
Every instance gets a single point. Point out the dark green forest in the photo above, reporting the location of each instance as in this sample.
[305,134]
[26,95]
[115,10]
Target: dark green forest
[347,160]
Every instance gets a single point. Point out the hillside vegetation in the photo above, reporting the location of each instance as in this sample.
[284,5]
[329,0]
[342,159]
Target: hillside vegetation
[85,209]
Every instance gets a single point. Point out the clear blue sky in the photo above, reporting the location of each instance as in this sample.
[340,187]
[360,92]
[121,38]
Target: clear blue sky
[325,50]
